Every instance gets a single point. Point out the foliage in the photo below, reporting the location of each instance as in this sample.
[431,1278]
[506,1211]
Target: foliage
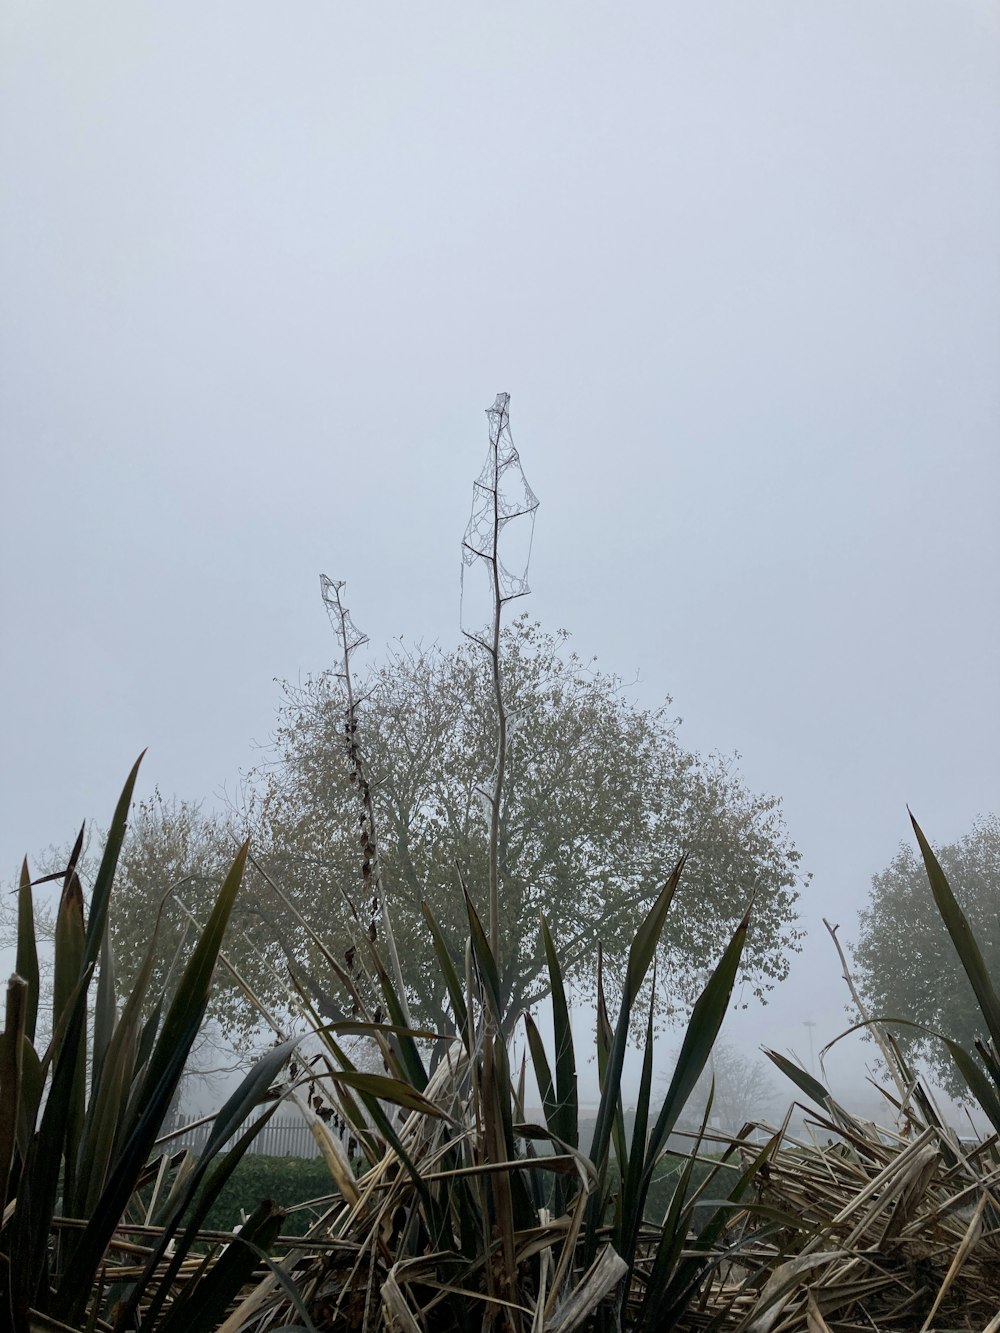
[924,981]
[296,1181]
[461,1213]
[289,1181]
[600,798]
[708,1174]
[178,853]
[847,1226]
[466,1215]
[985,1088]
[492,1220]
[879,1228]
[80,1113]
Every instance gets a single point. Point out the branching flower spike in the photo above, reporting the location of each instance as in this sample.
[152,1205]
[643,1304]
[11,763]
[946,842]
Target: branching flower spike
[351,638]
[500,494]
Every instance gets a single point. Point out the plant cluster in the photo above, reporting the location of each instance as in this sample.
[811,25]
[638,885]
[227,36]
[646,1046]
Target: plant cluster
[462,1211]
[80,1114]
[465,1213]
[448,1208]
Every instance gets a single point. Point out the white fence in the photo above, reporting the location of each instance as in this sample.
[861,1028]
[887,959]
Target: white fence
[288,1136]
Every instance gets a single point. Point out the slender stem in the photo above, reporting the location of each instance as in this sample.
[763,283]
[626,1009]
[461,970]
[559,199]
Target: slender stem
[476,546]
[873,1027]
[498,777]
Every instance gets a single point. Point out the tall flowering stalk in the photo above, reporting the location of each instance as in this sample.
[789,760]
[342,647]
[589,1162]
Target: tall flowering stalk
[500,494]
[351,638]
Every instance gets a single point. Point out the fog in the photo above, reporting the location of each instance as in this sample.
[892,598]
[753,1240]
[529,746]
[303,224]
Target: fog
[263,270]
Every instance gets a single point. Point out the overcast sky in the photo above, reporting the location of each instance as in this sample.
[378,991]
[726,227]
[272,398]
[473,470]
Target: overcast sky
[263,266]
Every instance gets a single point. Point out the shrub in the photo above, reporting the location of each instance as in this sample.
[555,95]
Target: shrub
[288,1181]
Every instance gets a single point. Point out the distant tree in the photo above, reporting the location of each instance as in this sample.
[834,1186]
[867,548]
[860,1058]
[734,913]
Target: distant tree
[172,864]
[599,800]
[507,768]
[905,964]
[743,1090]
[174,858]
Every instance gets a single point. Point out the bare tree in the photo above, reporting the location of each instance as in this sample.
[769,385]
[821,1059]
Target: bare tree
[743,1090]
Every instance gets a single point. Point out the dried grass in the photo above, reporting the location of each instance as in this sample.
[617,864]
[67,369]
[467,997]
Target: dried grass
[887,1231]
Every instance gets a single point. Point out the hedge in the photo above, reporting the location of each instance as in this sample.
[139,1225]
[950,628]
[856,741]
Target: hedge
[286,1180]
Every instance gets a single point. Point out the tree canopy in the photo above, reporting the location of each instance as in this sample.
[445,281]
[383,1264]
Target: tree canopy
[905,963]
[599,801]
